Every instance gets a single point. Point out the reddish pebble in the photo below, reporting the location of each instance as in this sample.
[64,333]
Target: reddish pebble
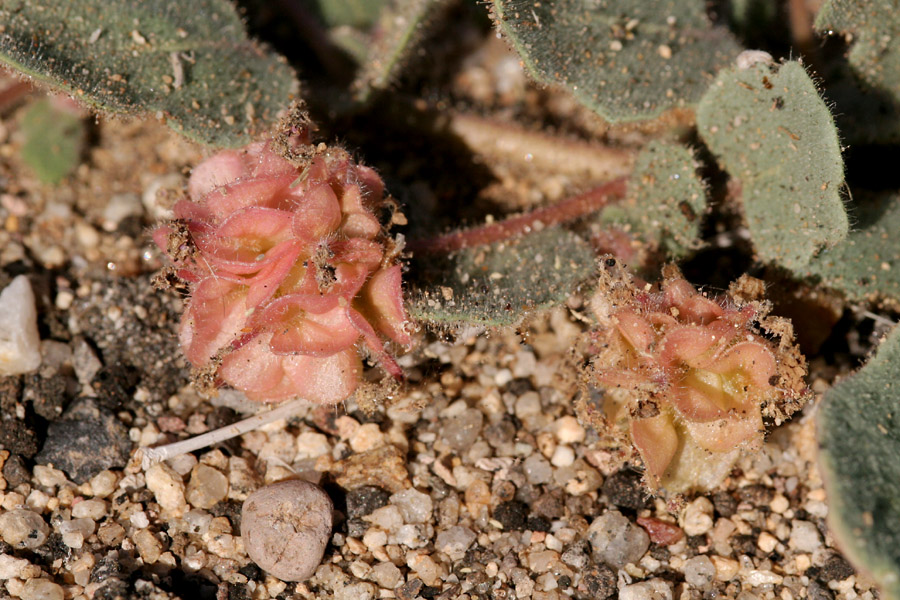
[661,532]
[170,424]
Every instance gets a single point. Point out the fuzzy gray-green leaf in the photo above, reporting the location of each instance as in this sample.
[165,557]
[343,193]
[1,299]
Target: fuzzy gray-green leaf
[54,140]
[866,89]
[859,454]
[665,201]
[625,60]
[771,131]
[866,266]
[496,285]
[189,63]
[875,50]
[399,31]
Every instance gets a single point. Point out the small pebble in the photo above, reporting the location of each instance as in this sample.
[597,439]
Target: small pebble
[285,527]
[415,506]
[537,469]
[652,589]
[207,487]
[168,488]
[89,509]
[455,541]
[697,517]
[568,430]
[22,528]
[563,456]
[387,575]
[616,541]
[699,572]
[20,342]
[42,589]
[804,536]
[460,431]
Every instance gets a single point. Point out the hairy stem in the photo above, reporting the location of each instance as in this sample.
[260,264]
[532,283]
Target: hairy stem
[567,210]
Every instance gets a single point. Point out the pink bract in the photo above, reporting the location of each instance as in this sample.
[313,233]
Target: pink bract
[290,272]
[691,371]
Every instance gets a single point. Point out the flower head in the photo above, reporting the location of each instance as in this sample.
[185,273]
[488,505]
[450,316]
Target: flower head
[694,372]
[290,273]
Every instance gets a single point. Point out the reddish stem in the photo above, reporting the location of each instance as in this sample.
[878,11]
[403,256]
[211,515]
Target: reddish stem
[567,210]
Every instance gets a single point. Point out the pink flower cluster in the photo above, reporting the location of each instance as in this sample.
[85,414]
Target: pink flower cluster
[694,372]
[289,271]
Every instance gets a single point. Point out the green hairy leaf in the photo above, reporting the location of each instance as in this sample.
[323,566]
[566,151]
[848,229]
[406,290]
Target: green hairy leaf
[859,453]
[189,63]
[866,266]
[54,140]
[623,59]
[866,88]
[497,284]
[771,131]
[665,200]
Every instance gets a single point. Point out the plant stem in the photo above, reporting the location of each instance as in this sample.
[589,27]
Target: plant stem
[567,210]
[282,411]
[561,155]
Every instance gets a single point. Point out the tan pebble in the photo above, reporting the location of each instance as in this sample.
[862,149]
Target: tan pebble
[42,589]
[568,430]
[425,568]
[49,477]
[147,546]
[803,562]
[563,456]
[767,542]
[207,487]
[374,538]
[285,528]
[386,575]
[546,443]
[367,437]
[111,534]
[779,504]
[726,568]
[696,519]
[168,488]
[311,444]
[103,484]
[22,528]
[89,509]
[11,567]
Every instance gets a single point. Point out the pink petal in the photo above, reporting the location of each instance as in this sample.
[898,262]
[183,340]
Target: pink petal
[215,317]
[240,243]
[358,219]
[657,441]
[751,358]
[381,301]
[692,306]
[216,171]
[327,380]
[316,214]
[313,325]
[725,434]
[636,330]
[266,377]
[269,192]
[192,212]
[371,184]
[700,396]
[255,161]
[689,345]
[358,250]
[375,344]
